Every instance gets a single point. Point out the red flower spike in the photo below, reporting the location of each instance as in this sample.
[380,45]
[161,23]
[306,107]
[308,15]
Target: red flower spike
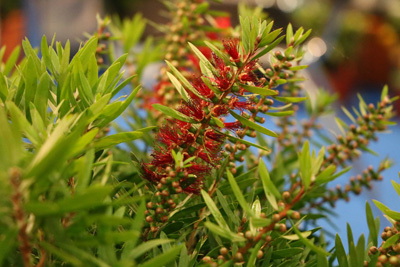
[202,88]
[232,125]
[234,103]
[149,174]
[169,136]
[193,109]
[219,110]
[207,157]
[250,66]
[211,134]
[245,77]
[231,47]
[219,63]
[193,189]
[198,169]
[212,146]
[161,158]
[181,125]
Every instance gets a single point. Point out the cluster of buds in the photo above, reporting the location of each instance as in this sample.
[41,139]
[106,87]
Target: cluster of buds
[373,120]
[265,236]
[187,20]
[355,185]
[388,255]
[103,37]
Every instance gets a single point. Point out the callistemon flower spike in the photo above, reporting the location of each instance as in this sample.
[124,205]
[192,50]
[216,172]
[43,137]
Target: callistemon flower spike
[207,101]
[179,54]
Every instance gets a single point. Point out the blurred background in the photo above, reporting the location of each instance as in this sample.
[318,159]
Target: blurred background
[354,48]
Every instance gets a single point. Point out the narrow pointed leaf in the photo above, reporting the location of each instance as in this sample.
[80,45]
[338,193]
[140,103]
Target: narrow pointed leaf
[238,194]
[214,210]
[253,125]
[173,113]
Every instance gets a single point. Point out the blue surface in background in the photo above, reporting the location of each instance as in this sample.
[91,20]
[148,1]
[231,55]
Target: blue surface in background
[353,212]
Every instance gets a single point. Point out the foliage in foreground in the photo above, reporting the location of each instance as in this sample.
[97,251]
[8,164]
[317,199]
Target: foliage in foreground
[208,195]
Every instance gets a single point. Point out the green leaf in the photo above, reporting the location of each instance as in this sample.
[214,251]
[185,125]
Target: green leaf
[202,58]
[225,206]
[54,151]
[391,240]
[252,125]
[340,252]
[296,237]
[373,232]
[214,210]
[297,68]
[309,244]
[361,248]
[326,175]
[85,164]
[260,222]
[347,112]
[146,246]
[115,139]
[164,258]
[112,111]
[280,113]
[246,31]
[178,87]
[173,113]
[322,261]
[238,194]
[289,99]
[385,92]
[3,87]
[122,85]
[82,254]
[218,52]
[46,55]
[333,177]
[288,51]
[184,258]
[224,232]
[271,192]
[341,125]
[396,187]
[18,117]
[286,253]
[253,256]
[289,34]
[8,243]
[85,53]
[68,257]
[93,196]
[270,37]
[269,47]
[305,165]
[185,82]
[42,94]
[12,60]
[302,38]
[136,226]
[392,214]
[353,257]
[218,122]
[263,91]
[280,81]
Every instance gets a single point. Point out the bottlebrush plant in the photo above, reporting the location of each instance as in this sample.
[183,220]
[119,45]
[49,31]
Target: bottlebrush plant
[220,187]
